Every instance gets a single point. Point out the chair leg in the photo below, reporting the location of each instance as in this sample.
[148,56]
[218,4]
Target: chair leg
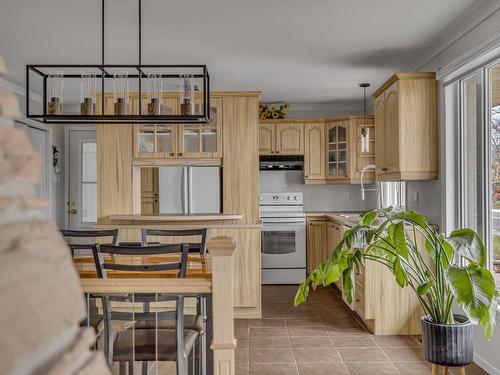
[435,369]
[445,370]
[201,354]
[144,368]
[122,368]
[461,370]
[131,368]
[180,367]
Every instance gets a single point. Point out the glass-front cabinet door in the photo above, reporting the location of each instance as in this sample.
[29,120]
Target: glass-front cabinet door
[203,140]
[337,150]
[155,141]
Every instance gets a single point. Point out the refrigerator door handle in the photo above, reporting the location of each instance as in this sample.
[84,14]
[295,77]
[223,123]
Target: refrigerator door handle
[190,188]
[183,190]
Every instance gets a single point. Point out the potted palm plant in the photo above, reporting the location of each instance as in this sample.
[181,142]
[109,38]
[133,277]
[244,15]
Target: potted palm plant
[445,269]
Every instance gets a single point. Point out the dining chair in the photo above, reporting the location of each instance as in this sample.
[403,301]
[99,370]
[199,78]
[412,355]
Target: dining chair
[85,240]
[154,336]
[88,238]
[199,246]
[201,305]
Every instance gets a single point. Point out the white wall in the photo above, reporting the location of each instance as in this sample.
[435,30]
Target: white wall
[318,198]
[56,137]
[430,193]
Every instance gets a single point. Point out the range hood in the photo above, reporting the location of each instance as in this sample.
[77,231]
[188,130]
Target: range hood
[281,162]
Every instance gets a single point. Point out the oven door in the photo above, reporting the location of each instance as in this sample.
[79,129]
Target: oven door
[283,243]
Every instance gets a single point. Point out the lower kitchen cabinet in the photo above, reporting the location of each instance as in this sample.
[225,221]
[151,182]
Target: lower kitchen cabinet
[385,308]
[316,243]
[246,263]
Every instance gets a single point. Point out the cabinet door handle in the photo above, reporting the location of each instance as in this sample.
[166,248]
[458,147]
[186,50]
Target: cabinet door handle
[181,154]
[384,169]
[277,152]
[172,154]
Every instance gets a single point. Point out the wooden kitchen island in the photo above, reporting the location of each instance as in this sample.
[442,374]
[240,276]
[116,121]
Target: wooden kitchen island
[245,261]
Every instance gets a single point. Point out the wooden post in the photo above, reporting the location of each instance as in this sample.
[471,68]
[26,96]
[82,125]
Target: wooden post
[221,250]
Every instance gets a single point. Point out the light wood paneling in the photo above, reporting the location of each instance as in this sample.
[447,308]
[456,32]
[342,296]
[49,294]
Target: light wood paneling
[419,126]
[241,157]
[114,170]
[267,139]
[290,139]
[246,265]
[314,156]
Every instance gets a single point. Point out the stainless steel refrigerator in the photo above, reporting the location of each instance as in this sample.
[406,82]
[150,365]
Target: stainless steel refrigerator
[189,190]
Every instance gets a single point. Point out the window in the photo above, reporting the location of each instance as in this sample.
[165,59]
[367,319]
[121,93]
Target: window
[393,194]
[494,163]
[478,165]
[89,182]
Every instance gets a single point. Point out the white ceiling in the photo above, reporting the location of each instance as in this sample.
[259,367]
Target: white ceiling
[302,51]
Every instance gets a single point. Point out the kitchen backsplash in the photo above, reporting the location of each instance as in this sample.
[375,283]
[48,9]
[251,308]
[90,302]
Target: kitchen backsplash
[319,197]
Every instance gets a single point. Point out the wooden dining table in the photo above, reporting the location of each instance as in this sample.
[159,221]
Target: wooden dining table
[199,281]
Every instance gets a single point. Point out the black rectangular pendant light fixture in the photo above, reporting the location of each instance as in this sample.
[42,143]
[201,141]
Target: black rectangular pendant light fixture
[140,93]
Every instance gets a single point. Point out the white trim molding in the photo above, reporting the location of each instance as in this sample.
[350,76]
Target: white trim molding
[457,29]
[19,90]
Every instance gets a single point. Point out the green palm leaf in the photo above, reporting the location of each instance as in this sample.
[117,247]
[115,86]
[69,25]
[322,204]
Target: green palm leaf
[474,288]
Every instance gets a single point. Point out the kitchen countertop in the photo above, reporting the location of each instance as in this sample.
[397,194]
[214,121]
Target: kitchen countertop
[168,218]
[348,219]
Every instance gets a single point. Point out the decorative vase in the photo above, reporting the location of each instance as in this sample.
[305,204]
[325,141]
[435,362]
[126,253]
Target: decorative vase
[87,107]
[121,107]
[54,106]
[448,344]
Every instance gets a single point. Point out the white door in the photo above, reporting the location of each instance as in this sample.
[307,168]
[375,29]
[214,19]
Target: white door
[82,177]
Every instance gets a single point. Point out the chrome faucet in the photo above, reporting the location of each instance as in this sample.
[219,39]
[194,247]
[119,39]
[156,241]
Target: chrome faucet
[363,190]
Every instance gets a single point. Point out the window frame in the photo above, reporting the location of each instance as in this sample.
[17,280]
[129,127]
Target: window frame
[455,117]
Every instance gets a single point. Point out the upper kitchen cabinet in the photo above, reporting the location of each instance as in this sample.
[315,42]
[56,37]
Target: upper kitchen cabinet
[155,140]
[163,141]
[203,140]
[337,147]
[314,152]
[281,138]
[406,128]
[350,146]
[290,138]
[267,139]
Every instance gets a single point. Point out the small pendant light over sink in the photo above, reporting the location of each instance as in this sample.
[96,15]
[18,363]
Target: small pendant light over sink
[365,130]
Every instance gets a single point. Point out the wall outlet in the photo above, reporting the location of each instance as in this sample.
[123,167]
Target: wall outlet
[347,195]
[415,197]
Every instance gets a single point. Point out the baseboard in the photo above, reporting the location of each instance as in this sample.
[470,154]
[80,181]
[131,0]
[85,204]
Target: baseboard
[485,365]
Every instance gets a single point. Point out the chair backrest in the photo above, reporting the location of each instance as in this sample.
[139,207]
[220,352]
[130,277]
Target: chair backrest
[200,246]
[133,249]
[102,266]
[89,238]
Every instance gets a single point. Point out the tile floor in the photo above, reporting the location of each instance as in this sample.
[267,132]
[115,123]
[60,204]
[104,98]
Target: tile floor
[320,337]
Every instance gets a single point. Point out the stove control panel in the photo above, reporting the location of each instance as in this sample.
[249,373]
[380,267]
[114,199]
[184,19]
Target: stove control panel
[278,199]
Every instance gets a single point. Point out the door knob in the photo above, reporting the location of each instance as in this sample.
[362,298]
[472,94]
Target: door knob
[72,208]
